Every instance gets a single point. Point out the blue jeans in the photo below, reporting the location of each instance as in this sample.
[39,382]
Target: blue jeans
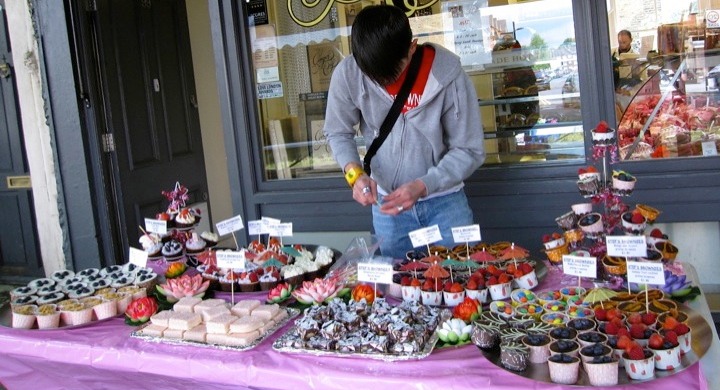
[449,211]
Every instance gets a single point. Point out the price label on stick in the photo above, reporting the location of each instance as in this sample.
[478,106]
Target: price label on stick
[645,273]
[375,273]
[229,226]
[230,259]
[256,227]
[580,266]
[425,236]
[155,226]
[269,221]
[281,229]
[138,257]
[466,233]
[626,246]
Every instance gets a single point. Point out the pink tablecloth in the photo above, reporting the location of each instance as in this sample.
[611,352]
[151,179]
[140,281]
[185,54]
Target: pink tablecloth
[104,356]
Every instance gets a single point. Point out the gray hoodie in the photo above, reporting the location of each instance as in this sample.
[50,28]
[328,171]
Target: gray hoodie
[439,142]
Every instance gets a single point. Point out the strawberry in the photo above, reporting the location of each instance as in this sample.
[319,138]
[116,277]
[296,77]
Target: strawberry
[518,274]
[492,280]
[526,268]
[581,171]
[592,169]
[637,218]
[415,282]
[649,318]
[637,331]
[511,268]
[504,278]
[623,342]
[601,314]
[253,277]
[546,238]
[405,281]
[655,341]
[556,235]
[670,323]
[657,233]
[456,288]
[681,329]
[672,337]
[636,353]
[634,318]
[611,328]
[472,284]
[429,285]
[623,331]
[613,313]
[602,127]
[447,286]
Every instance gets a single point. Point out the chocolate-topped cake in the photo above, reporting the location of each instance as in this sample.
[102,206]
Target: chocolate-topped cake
[485,335]
[514,356]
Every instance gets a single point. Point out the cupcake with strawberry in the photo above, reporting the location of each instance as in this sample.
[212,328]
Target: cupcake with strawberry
[603,135]
[623,183]
[500,286]
[475,288]
[523,274]
[552,241]
[248,281]
[633,222]
[410,289]
[453,293]
[431,293]
[682,331]
[667,350]
[639,362]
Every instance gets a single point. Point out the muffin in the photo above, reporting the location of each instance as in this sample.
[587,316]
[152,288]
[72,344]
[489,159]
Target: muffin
[211,239]
[47,316]
[23,317]
[602,371]
[568,347]
[564,368]
[195,244]
[538,346]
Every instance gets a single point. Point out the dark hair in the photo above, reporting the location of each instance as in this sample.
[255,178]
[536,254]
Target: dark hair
[381,38]
[625,32]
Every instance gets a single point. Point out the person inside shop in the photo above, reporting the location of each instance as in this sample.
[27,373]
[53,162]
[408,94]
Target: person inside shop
[624,39]
[416,177]
[622,69]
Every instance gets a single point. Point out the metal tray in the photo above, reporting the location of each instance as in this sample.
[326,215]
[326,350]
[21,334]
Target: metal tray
[701,340]
[292,313]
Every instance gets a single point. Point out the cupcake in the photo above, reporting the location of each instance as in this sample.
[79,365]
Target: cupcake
[539,347]
[573,236]
[81,292]
[649,212]
[566,221]
[564,368]
[582,325]
[293,274]
[112,269]
[88,272]
[172,250]
[151,244]
[324,257]
[185,218]
[639,363]
[453,294]
[429,295]
[581,209]
[42,282]
[76,314]
[563,333]
[514,356]
[26,300]
[594,351]
[47,316]
[666,349]
[23,317]
[602,135]
[633,222]
[106,308]
[591,223]
[136,292]
[554,318]
[591,338]
[146,281]
[602,371]
[268,280]
[555,255]
[61,275]
[122,280]
[195,244]
[522,296]
[21,292]
[211,239]
[50,298]
[668,250]
[485,335]
[588,187]
[247,281]
[533,310]
[568,347]
[623,183]
[501,308]
[501,288]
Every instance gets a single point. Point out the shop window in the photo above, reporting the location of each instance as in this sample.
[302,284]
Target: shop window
[520,55]
[666,85]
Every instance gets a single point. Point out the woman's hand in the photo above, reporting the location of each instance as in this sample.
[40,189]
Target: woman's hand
[365,190]
[403,198]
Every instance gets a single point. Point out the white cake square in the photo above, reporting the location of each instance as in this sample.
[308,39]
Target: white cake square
[266,312]
[184,321]
[186,304]
[161,318]
[246,324]
[197,333]
[244,308]
[241,339]
[220,324]
[209,304]
[280,316]
[209,314]
[215,338]
[173,334]
[153,330]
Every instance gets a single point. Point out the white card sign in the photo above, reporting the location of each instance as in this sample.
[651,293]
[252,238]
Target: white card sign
[267,221]
[256,227]
[138,257]
[646,273]
[581,266]
[425,236]
[155,226]
[626,246]
[375,273]
[466,233]
[230,259]
[229,225]
[281,229]
[709,148]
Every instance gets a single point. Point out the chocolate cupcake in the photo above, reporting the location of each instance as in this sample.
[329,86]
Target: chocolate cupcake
[485,335]
[514,356]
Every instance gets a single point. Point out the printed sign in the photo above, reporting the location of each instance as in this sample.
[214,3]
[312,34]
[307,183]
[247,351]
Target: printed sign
[425,236]
[270,90]
[712,18]
[256,227]
[466,233]
[281,229]
[709,148]
[266,75]
[581,266]
[375,273]
[646,273]
[626,246]
[230,259]
[138,257]
[155,226]
[229,225]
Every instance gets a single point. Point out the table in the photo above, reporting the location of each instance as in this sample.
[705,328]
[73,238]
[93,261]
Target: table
[105,356]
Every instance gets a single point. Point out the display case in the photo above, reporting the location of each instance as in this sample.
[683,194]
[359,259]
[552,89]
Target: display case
[671,108]
[529,115]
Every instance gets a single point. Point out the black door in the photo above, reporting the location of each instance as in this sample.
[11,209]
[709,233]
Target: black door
[19,254]
[150,111]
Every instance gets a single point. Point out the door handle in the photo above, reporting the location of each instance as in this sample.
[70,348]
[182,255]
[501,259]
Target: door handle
[18,182]
[5,70]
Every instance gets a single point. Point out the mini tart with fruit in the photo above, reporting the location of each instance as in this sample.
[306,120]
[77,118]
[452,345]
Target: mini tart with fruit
[623,183]
[649,212]
[185,218]
[668,249]
[603,135]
